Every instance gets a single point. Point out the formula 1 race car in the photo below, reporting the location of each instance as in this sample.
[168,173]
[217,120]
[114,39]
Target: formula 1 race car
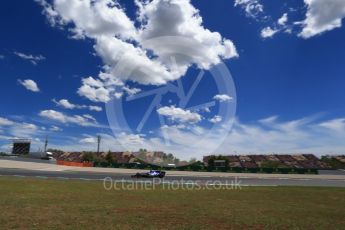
[151,174]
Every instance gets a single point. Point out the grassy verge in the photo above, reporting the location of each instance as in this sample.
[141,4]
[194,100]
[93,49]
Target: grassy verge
[57,204]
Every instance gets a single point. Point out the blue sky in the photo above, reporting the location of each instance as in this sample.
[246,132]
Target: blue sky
[59,66]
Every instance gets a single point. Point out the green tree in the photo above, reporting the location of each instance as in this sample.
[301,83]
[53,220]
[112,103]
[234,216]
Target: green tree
[110,158]
[333,162]
[192,160]
[90,157]
[176,161]
[211,161]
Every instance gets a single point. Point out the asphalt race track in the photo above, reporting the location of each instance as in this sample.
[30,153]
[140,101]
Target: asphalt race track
[244,181]
[66,173]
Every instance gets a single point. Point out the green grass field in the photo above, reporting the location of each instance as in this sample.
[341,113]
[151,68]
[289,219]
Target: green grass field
[57,204]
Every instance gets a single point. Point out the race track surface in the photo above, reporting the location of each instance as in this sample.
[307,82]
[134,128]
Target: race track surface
[49,170]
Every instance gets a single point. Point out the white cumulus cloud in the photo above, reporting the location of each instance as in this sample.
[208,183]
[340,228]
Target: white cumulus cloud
[5,122]
[95,108]
[268,32]
[322,16]
[64,103]
[140,50]
[55,128]
[283,19]
[222,97]
[216,119]
[131,91]
[252,8]
[66,119]
[94,90]
[88,140]
[29,85]
[178,114]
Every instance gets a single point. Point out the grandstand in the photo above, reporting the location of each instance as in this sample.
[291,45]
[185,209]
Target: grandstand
[119,157]
[291,161]
[298,161]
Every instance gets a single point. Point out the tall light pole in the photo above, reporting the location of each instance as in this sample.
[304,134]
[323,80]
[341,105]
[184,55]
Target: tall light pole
[98,142]
[46,144]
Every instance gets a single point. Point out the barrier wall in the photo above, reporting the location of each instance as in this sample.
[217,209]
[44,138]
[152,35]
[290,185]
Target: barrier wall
[75,164]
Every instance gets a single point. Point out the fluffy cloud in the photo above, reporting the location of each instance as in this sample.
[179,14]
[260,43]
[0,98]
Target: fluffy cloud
[5,122]
[268,32]
[179,18]
[131,91]
[63,118]
[17,129]
[139,51]
[222,97]
[94,90]
[29,85]
[123,142]
[33,59]
[133,141]
[178,114]
[322,16]
[55,129]
[11,129]
[283,19]
[90,117]
[302,135]
[97,91]
[270,135]
[88,140]
[91,18]
[53,115]
[28,126]
[23,130]
[252,8]
[336,125]
[281,25]
[95,108]
[64,103]
[215,119]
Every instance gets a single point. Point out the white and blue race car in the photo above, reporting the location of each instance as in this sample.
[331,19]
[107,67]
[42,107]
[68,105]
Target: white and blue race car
[150,174]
